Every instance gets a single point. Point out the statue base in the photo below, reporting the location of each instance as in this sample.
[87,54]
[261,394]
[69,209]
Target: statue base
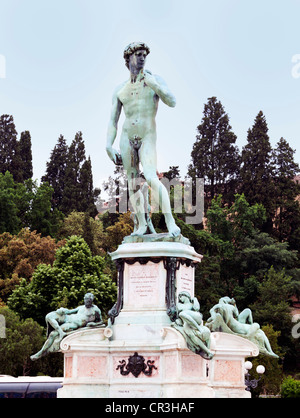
[139,355]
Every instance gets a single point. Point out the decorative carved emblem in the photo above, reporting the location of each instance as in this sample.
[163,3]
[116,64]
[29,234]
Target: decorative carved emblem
[136,365]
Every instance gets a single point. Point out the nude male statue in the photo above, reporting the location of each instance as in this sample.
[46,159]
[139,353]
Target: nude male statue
[139,96]
[63,320]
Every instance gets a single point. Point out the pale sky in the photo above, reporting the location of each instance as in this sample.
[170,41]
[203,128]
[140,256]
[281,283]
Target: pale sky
[61,60]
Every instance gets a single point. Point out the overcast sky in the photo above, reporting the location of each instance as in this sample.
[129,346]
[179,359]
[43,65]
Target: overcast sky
[61,60]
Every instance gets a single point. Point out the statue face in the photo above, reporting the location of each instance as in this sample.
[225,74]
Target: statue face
[88,301]
[183,298]
[137,60]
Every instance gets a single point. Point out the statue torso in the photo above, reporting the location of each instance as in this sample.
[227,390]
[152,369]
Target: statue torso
[140,104]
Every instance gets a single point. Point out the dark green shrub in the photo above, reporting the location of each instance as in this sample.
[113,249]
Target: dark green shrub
[290,388]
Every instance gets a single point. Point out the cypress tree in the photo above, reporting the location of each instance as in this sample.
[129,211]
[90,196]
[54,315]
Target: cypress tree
[71,199]
[287,217]
[55,172]
[215,157]
[257,168]
[10,159]
[26,155]
[87,193]
[69,173]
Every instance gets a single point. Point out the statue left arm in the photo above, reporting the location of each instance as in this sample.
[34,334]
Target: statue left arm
[196,305]
[71,311]
[161,89]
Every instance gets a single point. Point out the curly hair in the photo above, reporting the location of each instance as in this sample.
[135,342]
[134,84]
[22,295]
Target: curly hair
[133,47]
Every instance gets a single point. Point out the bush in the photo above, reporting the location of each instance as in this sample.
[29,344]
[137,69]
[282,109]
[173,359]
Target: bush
[290,388]
[74,272]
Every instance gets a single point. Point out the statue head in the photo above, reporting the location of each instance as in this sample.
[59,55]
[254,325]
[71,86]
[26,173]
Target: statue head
[132,48]
[184,294]
[88,299]
[227,300]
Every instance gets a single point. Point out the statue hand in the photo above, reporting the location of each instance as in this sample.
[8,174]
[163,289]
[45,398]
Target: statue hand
[149,79]
[113,154]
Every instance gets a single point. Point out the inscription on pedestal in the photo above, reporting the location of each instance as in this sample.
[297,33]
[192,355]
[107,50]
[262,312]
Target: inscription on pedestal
[143,289]
[185,280]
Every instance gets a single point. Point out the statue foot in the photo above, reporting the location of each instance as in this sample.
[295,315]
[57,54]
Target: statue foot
[62,334]
[34,357]
[174,230]
[140,231]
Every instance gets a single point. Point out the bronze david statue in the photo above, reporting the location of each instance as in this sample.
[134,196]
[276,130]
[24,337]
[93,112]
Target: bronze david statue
[139,97]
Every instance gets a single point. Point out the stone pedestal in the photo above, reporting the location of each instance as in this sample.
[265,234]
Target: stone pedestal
[227,368]
[139,354]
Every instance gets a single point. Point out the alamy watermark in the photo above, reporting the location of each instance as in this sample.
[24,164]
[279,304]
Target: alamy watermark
[296,67]
[2,327]
[296,327]
[2,66]
[186,197]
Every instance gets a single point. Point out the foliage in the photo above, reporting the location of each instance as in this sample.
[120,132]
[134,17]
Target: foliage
[81,224]
[55,171]
[78,193]
[290,388]
[15,156]
[270,381]
[215,156]
[26,155]
[20,255]
[23,338]
[74,272]
[257,169]
[271,305]
[9,214]
[26,205]
[235,222]
[287,215]
[69,173]
[172,173]
[117,232]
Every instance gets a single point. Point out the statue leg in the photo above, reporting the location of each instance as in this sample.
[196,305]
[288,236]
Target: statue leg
[135,194]
[45,349]
[197,334]
[148,160]
[245,317]
[50,319]
[187,318]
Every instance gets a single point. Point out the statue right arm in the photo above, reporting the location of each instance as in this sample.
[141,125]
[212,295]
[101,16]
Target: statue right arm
[113,127]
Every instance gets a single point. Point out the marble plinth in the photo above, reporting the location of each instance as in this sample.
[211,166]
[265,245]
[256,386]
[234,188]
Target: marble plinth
[139,354]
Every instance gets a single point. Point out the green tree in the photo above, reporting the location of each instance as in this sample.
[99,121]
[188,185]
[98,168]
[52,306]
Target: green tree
[272,307]
[20,255]
[287,215]
[88,195]
[9,219]
[270,381]
[74,272]
[257,169]
[231,225]
[55,172]
[23,338]
[249,253]
[117,232]
[215,157]
[81,224]
[9,148]
[72,188]
[173,172]
[41,217]
[26,155]
[78,191]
